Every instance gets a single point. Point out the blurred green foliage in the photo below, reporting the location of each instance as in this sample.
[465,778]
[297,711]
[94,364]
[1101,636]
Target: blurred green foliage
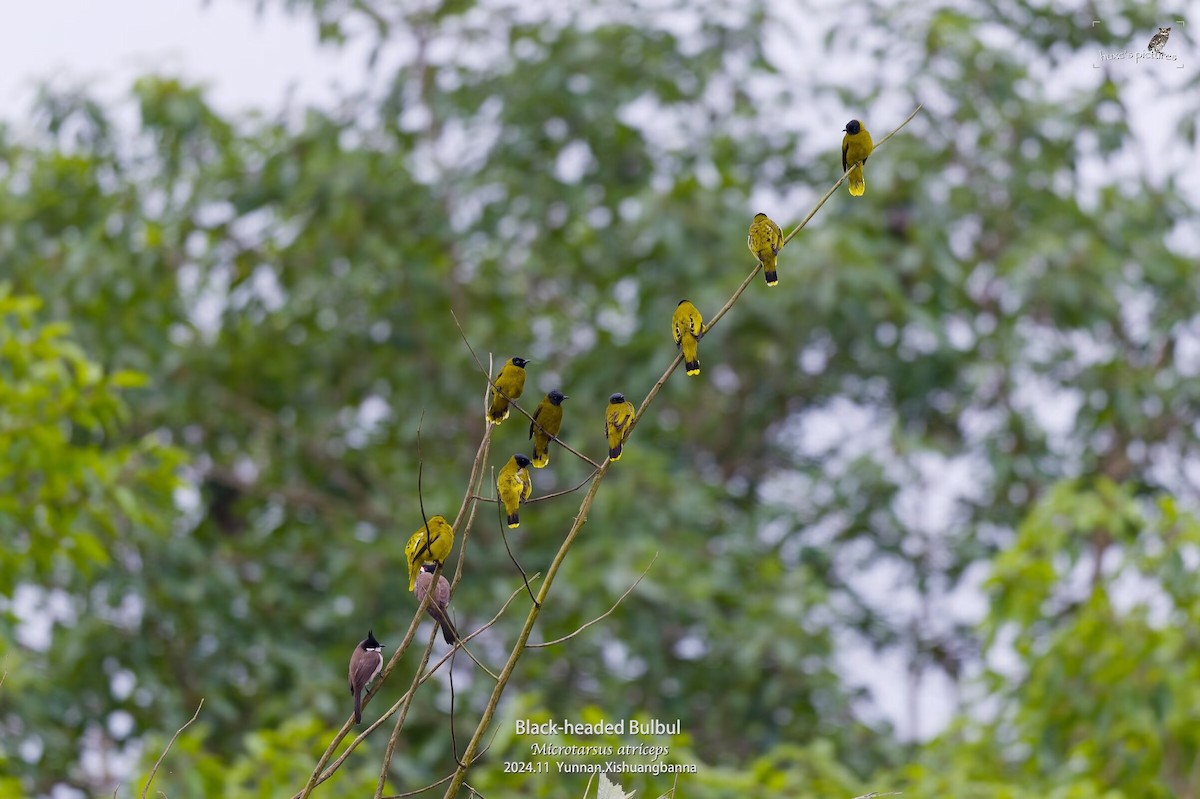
[986,366]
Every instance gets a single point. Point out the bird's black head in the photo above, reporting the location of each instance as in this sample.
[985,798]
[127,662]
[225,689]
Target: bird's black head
[616,399]
[681,302]
[429,567]
[522,461]
[370,642]
[556,397]
[518,361]
[853,126]
[760,215]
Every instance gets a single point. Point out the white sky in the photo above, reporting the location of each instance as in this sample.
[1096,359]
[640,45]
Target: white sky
[250,60]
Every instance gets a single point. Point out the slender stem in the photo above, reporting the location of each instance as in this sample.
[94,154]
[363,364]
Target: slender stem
[408,697]
[604,615]
[170,743]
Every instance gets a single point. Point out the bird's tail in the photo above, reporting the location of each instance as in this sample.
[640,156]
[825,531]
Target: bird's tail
[772,277]
[449,634]
[498,412]
[541,454]
[614,453]
[358,707]
[858,182]
[691,356]
[514,519]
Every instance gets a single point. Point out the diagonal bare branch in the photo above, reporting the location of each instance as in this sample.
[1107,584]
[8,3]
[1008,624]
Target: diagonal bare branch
[602,616]
[170,743]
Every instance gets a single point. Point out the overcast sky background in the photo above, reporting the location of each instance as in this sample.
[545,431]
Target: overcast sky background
[248,59]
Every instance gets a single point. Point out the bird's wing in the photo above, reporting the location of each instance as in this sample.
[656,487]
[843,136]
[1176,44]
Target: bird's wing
[422,550]
[845,147]
[696,325]
[364,669]
[676,331]
[533,422]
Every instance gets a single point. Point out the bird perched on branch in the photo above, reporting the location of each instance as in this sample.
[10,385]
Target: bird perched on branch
[439,603]
[856,146]
[687,325]
[365,665]
[547,421]
[425,548]
[511,382]
[765,240]
[513,486]
[617,418]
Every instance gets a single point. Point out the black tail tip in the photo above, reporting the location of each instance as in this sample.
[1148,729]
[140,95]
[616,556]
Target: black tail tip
[514,520]
[772,278]
[692,367]
[614,454]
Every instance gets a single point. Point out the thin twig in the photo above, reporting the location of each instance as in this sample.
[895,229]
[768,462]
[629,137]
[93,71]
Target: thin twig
[602,616]
[170,743]
[487,373]
[563,493]
[406,794]
[453,739]
[542,497]
[504,537]
[580,519]
[428,545]
[419,791]
[408,698]
[877,793]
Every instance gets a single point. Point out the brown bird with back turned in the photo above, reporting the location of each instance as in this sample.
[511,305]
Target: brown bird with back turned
[439,603]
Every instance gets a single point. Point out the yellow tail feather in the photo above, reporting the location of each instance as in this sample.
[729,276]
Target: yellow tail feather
[858,182]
